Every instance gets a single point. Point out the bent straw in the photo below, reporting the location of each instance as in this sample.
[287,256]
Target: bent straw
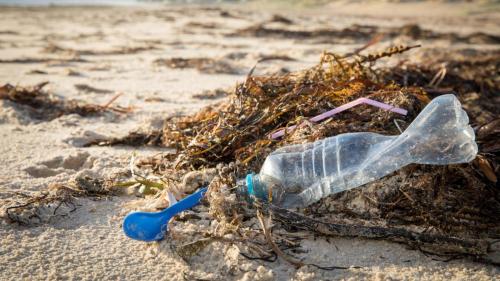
[341,108]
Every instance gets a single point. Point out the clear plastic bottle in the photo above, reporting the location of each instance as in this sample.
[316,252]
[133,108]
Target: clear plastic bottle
[298,175]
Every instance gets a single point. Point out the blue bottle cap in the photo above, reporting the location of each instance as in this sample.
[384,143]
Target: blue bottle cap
[249,182]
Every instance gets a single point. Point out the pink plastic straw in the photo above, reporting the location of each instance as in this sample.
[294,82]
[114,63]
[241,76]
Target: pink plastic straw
[341,108]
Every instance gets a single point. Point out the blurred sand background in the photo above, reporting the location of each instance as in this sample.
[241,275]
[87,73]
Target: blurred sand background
[92,53]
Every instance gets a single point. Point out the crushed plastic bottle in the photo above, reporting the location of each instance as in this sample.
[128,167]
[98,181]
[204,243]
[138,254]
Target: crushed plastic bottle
[298,175]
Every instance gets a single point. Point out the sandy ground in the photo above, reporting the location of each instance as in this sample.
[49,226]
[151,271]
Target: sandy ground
[119,46]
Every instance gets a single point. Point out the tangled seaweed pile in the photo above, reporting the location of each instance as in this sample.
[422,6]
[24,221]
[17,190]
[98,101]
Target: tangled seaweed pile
[237,130]
[221,143]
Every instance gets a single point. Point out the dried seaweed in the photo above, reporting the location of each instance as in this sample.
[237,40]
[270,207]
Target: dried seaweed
[237,130]
[294,222]
[44,106]
[202,25]
[358,32]
[37,71]
[132,139]
[42,60]
[476,81]
[261,30]
[204,65]
[89,89]
[9,32]
[55,49]
[415,32]
[210,95]
[281,19]
[57,201]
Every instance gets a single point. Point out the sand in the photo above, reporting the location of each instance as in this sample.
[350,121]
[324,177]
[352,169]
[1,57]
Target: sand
[120,46]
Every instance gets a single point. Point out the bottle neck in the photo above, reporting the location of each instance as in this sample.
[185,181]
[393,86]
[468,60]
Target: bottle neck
[251,187]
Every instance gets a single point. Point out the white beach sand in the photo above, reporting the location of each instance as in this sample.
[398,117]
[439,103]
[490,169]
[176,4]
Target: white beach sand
[88,244]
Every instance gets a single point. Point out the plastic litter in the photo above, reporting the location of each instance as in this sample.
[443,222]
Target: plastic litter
[341,108]
[148,227]
[298,175]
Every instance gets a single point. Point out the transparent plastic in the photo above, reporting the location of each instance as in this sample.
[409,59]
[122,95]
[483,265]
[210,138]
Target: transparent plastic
[298,175]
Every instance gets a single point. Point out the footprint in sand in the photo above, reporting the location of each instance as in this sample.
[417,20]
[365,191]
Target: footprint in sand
[60,164]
